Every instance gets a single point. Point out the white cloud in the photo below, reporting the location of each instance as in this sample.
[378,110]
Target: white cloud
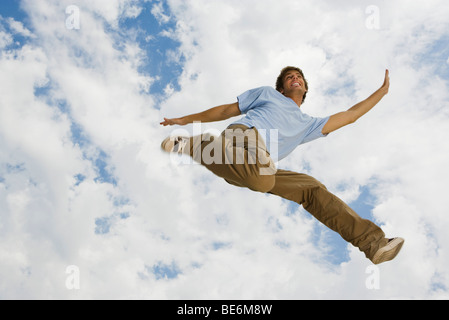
[18,27]
[210,239]
[5,39]
[158,12]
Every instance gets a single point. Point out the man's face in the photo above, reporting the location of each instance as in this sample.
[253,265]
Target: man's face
[293,82]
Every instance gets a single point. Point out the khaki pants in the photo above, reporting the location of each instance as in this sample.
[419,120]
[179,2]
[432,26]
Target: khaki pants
[239,156]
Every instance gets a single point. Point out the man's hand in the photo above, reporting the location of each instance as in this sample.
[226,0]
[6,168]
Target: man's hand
[386,86]
[342,119]
[172,122]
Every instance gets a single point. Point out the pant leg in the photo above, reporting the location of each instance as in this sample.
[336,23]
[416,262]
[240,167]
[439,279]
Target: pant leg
[300,188]
[239,157]
[330,210]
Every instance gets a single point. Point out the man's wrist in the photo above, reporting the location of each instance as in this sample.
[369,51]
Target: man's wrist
[383,91]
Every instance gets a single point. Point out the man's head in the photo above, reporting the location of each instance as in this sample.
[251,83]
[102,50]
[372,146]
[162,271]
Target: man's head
[292,78]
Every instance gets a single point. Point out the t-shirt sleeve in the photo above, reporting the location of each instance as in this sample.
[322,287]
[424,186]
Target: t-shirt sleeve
[316,129]
[249,99]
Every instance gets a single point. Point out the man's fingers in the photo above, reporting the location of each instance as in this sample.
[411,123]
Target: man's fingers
[166,122]
[169,122]
[386,84]
[172,122]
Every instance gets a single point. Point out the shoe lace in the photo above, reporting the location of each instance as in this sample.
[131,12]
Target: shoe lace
[180,144]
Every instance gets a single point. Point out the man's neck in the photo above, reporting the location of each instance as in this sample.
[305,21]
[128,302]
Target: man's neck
[296,97]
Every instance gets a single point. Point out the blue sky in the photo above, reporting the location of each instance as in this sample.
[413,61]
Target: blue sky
[11,8]
[82,178]
[158,63]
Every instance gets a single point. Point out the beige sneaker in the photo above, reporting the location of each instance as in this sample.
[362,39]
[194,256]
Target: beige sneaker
[389,252]
[175,144]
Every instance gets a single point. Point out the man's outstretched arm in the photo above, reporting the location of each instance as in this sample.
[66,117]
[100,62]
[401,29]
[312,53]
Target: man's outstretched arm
[219,113]
[342,119]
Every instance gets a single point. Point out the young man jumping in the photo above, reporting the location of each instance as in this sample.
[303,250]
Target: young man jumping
[244,156]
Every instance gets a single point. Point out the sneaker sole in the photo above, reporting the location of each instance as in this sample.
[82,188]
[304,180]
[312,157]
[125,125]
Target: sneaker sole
[165,145]
[389,252]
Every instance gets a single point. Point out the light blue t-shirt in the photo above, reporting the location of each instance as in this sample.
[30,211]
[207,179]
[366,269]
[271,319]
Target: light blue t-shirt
[278,117]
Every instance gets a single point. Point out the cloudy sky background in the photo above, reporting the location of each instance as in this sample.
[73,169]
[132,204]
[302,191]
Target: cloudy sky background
[83,182]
